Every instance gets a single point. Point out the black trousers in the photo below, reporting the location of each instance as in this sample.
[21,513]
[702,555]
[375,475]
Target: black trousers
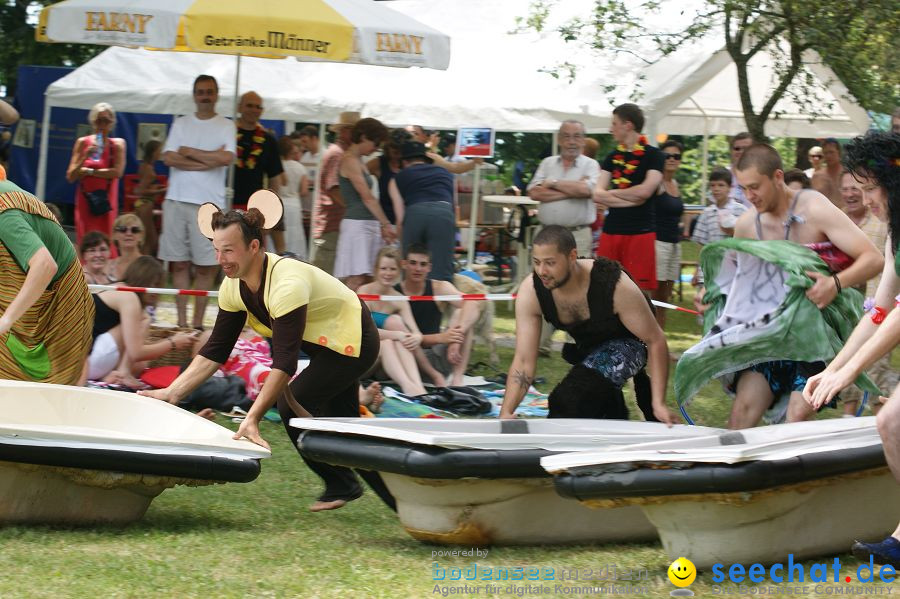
[585,393]
[329,387]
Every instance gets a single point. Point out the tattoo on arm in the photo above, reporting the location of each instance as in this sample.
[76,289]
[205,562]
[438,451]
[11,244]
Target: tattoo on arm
[523,380]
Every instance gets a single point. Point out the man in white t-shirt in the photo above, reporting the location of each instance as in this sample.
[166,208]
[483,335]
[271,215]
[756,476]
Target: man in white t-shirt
[198,151]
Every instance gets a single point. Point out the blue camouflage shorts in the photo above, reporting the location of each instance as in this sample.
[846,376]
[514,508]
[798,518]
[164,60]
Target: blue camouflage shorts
[617,360]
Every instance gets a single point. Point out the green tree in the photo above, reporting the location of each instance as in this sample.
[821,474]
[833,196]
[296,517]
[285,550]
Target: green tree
[690,173]
[855,37]
[18,19]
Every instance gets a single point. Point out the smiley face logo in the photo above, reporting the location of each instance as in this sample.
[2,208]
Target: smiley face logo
[682,572]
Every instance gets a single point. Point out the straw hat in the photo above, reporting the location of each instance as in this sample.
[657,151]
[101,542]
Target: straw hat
[347,119]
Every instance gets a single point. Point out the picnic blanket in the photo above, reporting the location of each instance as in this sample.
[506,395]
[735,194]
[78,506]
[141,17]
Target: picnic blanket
[397,405]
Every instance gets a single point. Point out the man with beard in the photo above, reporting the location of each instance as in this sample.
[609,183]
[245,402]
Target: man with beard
[615,333]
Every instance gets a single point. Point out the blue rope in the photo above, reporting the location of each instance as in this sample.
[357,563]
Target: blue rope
[862,404]
[685,414]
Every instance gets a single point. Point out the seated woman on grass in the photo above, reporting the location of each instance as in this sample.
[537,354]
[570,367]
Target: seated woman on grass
[94,253]
[128,237]
[399,334]
[121,326]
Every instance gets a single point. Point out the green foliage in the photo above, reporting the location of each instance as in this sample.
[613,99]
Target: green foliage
[868,63]
[690,174]
[17,23]
[530,148]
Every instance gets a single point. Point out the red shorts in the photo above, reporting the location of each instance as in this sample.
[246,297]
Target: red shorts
[636,254]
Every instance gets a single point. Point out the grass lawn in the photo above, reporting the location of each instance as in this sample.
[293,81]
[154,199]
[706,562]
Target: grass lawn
[258,540]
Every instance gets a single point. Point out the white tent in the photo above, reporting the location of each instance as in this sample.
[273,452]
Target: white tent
[496,78]
[698,85]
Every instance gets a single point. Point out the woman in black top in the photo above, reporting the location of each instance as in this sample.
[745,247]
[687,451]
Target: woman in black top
[121,326]
[669,208]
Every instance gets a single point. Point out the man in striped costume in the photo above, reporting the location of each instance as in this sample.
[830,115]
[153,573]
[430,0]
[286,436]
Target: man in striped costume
[46,311]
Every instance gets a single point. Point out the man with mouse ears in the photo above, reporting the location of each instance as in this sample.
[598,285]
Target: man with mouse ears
[297,306]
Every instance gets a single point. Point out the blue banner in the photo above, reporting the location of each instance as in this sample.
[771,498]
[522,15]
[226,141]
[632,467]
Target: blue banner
[66,125]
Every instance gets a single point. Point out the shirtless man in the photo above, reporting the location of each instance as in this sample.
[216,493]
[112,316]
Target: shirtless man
[809,218]
[616,335]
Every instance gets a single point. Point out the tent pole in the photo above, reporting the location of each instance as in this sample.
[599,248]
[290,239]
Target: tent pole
[229,194]
[317,189]
[705,165]
[703,172]
[41,183]
[473,218]
[651,129]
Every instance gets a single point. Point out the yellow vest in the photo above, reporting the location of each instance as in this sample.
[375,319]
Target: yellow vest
[334,312]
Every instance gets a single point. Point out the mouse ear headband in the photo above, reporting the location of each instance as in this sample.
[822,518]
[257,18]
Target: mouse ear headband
[263,200]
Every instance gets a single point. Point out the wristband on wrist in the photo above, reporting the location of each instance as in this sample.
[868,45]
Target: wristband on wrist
[837,283]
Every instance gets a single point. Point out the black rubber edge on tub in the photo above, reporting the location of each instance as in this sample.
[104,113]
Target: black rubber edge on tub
[716,478]
[197,467]
[398,457]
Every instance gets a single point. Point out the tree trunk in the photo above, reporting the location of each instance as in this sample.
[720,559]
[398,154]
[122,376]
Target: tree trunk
[755,125]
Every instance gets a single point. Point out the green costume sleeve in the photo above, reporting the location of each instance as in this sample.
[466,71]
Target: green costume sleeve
[24,234]
[19,237]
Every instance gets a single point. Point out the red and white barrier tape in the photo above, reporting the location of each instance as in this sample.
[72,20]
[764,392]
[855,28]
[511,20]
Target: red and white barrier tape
[155,290]
[493,297]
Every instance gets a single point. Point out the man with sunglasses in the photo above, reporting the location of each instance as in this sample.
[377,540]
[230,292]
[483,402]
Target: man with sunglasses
[816,157]
[198,151]
[257,162]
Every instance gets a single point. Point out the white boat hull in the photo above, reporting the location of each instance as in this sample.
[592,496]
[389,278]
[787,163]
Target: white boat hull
[521,511]
[804,520]
[34,494]
[479,482]
[71,455]
[806,489]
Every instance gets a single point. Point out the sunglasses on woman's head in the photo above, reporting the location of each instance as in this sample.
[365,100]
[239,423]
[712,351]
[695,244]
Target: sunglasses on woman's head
[124,229]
